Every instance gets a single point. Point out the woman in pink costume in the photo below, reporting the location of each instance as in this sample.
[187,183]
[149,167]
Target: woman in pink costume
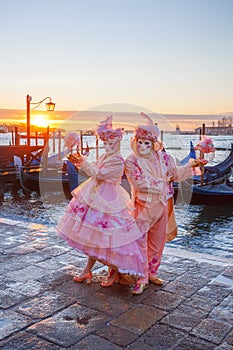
[150,172]
[97,220]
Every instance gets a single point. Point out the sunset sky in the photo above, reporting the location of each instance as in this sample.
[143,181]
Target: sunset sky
[171,56]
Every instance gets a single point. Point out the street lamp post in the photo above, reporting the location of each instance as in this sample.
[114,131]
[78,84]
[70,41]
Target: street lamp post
[49,105]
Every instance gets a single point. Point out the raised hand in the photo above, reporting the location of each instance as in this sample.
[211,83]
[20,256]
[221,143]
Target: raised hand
[197,162]
[76,159]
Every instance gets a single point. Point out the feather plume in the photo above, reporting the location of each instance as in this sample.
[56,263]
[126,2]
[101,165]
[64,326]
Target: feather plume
[106,123]
[105,130]
[148,119]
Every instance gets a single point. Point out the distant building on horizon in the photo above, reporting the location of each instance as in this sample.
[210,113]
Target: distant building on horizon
[216,130]
[224,127]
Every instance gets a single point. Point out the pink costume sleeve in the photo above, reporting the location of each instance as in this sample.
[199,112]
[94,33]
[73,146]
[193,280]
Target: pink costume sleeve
[89,168]
[180,173]
[139,180]
[109,170]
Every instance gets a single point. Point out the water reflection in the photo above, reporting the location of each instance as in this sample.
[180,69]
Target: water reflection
[30,206]
[205,229]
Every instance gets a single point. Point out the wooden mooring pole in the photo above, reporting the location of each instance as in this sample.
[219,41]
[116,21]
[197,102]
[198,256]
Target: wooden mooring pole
[202,154]
[46,152]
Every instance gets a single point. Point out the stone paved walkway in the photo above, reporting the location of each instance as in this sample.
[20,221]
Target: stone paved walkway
[42,308]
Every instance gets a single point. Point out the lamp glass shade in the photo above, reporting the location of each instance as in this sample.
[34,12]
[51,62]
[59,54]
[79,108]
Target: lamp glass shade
[50,106]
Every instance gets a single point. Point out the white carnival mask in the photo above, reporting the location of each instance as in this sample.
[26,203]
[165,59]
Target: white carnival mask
[144,147]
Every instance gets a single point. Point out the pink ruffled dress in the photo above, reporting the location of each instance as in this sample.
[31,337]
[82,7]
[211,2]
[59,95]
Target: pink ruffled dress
[98,222]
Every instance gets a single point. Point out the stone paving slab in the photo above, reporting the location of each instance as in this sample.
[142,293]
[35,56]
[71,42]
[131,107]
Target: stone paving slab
[27,341]
[70,325]
[164,300]
[11,322]
[118,336]
[212,330]
[94,342]
[42,308]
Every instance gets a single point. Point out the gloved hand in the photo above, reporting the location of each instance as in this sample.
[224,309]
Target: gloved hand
[192,163]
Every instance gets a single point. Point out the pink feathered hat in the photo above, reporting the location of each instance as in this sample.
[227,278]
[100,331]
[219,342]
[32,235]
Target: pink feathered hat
[105,130]
[147,131]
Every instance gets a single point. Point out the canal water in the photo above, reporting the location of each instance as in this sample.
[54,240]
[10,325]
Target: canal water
[203,229]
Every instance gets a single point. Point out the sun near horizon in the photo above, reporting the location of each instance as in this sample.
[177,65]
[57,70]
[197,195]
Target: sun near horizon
[124,115]
[40,120]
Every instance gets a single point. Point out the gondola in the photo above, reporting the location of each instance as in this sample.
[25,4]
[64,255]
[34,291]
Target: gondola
[211,194]
[51,180]
[214,188]
[29,157]
[218,171]
[213,173]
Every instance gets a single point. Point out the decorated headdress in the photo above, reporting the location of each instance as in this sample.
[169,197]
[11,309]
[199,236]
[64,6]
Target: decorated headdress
[105,130]
[148,130]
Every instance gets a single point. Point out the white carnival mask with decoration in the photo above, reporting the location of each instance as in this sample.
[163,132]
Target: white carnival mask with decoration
[111,137]
[206,147]
[146,137]
[144,147]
